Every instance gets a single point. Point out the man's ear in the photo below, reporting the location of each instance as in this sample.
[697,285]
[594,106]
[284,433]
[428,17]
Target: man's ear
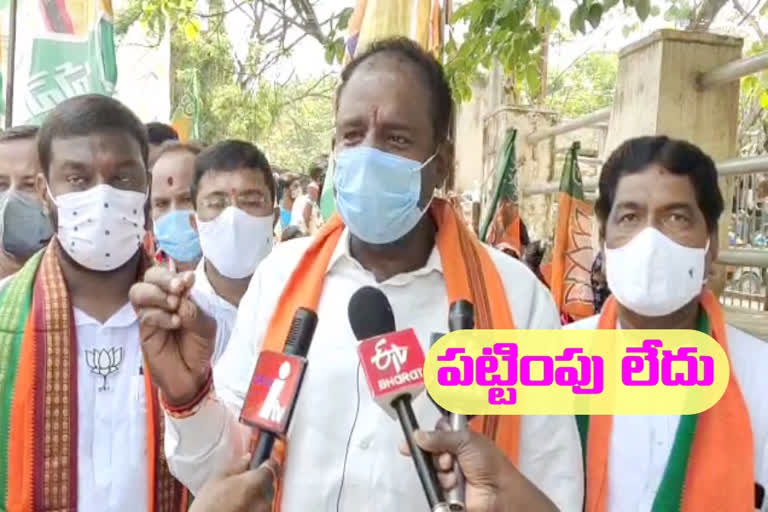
[712,253]
[444,163]
[41,191]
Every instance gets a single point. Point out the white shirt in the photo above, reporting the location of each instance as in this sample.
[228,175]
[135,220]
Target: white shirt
[297,215]
[641,445]
[377,476]
[217,307]
[112,429]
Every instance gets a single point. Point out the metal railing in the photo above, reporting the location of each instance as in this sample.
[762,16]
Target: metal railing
[718,76]
[732,167]
[733,71]
[569,126]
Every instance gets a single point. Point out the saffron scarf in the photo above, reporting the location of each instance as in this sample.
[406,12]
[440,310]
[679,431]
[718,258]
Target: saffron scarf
[38,399]
[469,274]
[700,475]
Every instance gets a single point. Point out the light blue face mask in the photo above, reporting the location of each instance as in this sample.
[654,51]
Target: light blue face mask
[377,193]
[176,237]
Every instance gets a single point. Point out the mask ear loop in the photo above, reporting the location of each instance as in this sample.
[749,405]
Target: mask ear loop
[705,280]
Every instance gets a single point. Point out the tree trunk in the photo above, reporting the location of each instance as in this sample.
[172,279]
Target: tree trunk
[705,15]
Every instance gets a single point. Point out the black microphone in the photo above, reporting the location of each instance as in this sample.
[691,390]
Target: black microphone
[294,356]
[372,321]
[461,316]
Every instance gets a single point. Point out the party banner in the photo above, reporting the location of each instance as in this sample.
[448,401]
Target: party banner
[64,48]
[502,224]
[572,256]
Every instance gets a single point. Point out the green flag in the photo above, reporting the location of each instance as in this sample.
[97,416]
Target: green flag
[506,182]
[72,53]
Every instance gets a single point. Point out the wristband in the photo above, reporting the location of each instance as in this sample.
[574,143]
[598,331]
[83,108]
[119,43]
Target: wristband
[191,407]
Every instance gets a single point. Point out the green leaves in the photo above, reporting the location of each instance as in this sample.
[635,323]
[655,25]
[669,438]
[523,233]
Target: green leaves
[764,99]
[595,14]
[643,9]
[578,18]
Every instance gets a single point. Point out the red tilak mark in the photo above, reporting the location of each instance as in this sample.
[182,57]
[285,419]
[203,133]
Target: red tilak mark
[170,181]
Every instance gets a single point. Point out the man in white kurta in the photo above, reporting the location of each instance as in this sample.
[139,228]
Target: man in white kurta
[658,210]
[326,428]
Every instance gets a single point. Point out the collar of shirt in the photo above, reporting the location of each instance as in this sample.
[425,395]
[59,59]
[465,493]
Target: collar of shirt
[342,255]
[203,284]
[123,317]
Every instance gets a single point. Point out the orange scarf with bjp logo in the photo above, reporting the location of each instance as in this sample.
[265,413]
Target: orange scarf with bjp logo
[469,274]
[719,475]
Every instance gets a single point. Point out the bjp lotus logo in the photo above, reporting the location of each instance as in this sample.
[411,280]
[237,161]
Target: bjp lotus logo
[104,362]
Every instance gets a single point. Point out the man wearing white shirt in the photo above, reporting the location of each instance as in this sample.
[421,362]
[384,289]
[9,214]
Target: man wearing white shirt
[75,393]
[233,191]
[658,209]
[393,113]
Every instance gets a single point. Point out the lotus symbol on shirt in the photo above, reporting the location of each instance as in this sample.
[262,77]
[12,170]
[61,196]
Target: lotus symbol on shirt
[104,362]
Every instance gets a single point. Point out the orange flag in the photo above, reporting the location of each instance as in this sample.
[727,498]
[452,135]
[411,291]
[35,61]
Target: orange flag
[572,255]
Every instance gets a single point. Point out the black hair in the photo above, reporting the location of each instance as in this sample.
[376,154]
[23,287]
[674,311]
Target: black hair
[172,146]
[430,70]
[678,157]
[86,115]
[231,155]
[317,167]
[160,132]
[290,233]
[26,131]
[284,183]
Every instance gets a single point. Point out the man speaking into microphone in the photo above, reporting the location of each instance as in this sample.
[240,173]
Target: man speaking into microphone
[392,151]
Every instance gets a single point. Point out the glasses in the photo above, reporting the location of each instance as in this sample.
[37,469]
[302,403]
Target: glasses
[244,201]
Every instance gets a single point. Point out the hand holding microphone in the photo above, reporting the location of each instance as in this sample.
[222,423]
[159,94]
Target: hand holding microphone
[238,489]
[492,483]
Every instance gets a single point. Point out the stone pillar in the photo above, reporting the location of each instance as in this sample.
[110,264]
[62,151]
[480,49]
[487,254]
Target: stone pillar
[656,93]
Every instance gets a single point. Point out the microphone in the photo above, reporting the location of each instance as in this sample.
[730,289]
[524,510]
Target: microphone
[461,316]
[275,386]
[393,364]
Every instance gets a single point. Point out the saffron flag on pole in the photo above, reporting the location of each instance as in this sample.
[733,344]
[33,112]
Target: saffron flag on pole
[572,255]
[64,48]
[372,20]
[502,223]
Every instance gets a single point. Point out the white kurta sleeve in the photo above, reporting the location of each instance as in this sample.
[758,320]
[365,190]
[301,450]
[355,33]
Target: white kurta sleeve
[204,444]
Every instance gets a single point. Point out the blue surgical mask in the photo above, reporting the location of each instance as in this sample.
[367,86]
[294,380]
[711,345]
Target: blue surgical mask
[176,237]
[377,193]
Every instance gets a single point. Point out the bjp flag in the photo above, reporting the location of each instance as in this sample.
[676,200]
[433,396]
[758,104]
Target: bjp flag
[572,256]
[503,226]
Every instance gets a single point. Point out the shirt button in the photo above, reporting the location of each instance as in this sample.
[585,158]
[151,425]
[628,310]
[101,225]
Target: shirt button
[365,444]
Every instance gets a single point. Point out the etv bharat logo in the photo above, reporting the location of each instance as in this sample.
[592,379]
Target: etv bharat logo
[395,356]
[383,359]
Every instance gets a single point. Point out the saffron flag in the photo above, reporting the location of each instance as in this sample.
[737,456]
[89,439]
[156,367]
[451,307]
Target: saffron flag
[420,20]
[572,256]
[65,48]
[502,224]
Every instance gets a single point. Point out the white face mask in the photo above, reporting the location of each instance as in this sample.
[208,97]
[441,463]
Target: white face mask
[100,228]
[236,242]
[652,275]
